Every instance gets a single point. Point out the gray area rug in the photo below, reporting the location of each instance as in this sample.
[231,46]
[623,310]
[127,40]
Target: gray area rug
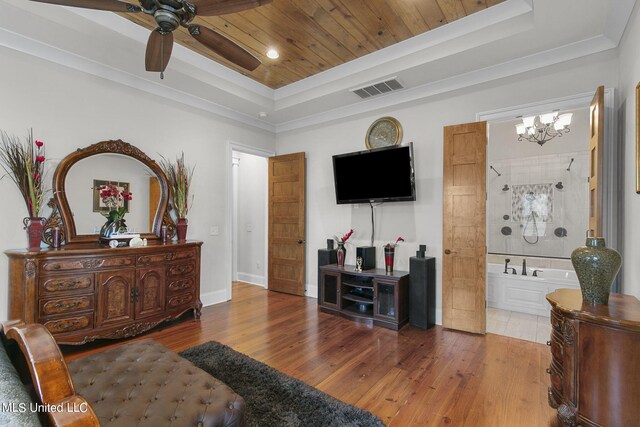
[273,398]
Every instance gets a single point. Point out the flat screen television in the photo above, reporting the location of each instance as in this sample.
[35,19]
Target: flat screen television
[373,176]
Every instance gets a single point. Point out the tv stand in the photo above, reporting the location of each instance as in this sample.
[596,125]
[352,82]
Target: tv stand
[371,296]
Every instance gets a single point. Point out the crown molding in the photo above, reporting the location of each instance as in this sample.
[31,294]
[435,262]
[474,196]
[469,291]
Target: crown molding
[29,46]
[498,71]
[140,34]
[262,97]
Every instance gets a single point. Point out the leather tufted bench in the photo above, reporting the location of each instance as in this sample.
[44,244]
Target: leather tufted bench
[143,383]
[140,383]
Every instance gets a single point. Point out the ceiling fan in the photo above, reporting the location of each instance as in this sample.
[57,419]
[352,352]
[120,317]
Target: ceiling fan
[171,14]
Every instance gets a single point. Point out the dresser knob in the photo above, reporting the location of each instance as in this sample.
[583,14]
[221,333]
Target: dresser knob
[548,371]
[549,343]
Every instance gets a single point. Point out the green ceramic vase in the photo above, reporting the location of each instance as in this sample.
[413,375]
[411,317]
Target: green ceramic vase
[596,267]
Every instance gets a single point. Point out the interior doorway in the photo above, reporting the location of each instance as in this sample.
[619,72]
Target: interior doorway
[538,209]
[247,216]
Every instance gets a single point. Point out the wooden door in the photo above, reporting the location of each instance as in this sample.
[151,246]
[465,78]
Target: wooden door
[149,292]
[287,223]
[115,296]
[154,199]
[596,150]
[464,241]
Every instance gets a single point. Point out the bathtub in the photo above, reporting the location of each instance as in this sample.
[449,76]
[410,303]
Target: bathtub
[526,294]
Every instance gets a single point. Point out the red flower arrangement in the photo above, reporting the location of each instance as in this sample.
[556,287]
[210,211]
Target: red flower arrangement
[345,237]
[114,199]
[393,245]
[24,163]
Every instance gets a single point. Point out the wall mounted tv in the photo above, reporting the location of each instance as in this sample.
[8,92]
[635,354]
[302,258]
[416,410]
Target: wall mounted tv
[373,176]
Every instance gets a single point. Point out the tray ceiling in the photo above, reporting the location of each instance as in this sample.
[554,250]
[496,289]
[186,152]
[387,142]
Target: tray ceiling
[315,35]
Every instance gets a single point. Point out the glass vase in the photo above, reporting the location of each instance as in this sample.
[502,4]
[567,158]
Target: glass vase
[341,253]
[389,255]
[112,227]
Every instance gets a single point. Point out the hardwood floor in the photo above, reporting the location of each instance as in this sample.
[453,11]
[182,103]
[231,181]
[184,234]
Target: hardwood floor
[408,378]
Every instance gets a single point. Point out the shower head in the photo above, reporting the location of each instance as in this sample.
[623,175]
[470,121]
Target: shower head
[559,185]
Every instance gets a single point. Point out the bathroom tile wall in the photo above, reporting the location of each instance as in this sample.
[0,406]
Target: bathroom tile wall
[568,202]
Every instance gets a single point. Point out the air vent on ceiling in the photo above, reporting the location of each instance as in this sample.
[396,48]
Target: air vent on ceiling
[378,88]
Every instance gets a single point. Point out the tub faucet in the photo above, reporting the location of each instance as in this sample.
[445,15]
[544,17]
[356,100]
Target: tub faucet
[524,267]
[506,265]
[535,272]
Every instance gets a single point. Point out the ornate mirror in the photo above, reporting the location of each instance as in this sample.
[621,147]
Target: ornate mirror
[81,210]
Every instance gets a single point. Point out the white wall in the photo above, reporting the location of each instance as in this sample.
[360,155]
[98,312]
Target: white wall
[423,122]
[251,217]
[629,78]
[69,109]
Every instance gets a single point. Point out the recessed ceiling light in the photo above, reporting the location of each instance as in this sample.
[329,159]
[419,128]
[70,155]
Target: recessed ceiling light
[262,114]
[273,54]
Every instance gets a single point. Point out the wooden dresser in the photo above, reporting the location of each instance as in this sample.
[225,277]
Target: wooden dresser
[595,368]
[82,291]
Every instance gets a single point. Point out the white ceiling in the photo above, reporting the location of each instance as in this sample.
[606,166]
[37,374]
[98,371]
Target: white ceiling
[510,38]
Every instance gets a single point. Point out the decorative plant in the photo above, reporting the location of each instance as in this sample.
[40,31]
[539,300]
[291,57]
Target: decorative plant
[179,176]
[393,245]
[114,199]
[24,163]
[344,238]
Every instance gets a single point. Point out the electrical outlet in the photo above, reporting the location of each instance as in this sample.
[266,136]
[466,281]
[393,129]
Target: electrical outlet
[214,230]
[257,266]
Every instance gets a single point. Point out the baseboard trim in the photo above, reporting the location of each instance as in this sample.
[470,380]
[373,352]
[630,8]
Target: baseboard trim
[311,291]
[215,297]
[251,278]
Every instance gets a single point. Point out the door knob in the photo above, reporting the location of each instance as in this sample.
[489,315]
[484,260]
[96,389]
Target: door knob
[448,252]
[301,241]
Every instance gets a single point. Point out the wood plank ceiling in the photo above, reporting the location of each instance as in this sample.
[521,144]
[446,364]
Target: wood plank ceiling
[316,35]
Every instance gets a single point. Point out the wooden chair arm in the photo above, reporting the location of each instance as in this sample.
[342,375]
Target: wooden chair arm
[49,374]
[78,413]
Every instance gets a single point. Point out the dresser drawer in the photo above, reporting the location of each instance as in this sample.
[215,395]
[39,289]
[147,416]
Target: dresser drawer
[181,269]
[180,300]
[73,264]
[556,348]
[181,285]
[69,324]
[53,285]
[555,375]
[71,304]
[161,258]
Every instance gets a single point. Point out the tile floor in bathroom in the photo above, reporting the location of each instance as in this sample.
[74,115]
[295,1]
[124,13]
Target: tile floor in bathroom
[524,326]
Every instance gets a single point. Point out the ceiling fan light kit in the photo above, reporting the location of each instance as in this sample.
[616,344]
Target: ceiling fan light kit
[172,14]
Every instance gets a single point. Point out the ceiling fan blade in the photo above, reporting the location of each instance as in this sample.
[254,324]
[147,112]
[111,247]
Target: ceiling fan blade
[111,5]
[224,47]
[159,49]
[222,7]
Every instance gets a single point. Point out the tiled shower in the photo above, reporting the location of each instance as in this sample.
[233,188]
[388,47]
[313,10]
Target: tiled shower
[538,205]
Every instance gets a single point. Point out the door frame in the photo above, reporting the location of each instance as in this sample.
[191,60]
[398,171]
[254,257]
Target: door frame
[229,219]
[610,208]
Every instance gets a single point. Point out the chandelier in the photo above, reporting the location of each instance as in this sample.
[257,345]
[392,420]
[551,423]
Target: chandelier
[543,128]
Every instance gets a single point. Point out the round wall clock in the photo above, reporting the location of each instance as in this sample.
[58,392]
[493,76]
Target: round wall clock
[384,132]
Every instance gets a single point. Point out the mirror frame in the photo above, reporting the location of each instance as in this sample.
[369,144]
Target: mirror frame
[108,147]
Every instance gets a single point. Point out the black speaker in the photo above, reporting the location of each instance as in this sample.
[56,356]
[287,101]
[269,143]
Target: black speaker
[422,291]
[368,255]
[325,256]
